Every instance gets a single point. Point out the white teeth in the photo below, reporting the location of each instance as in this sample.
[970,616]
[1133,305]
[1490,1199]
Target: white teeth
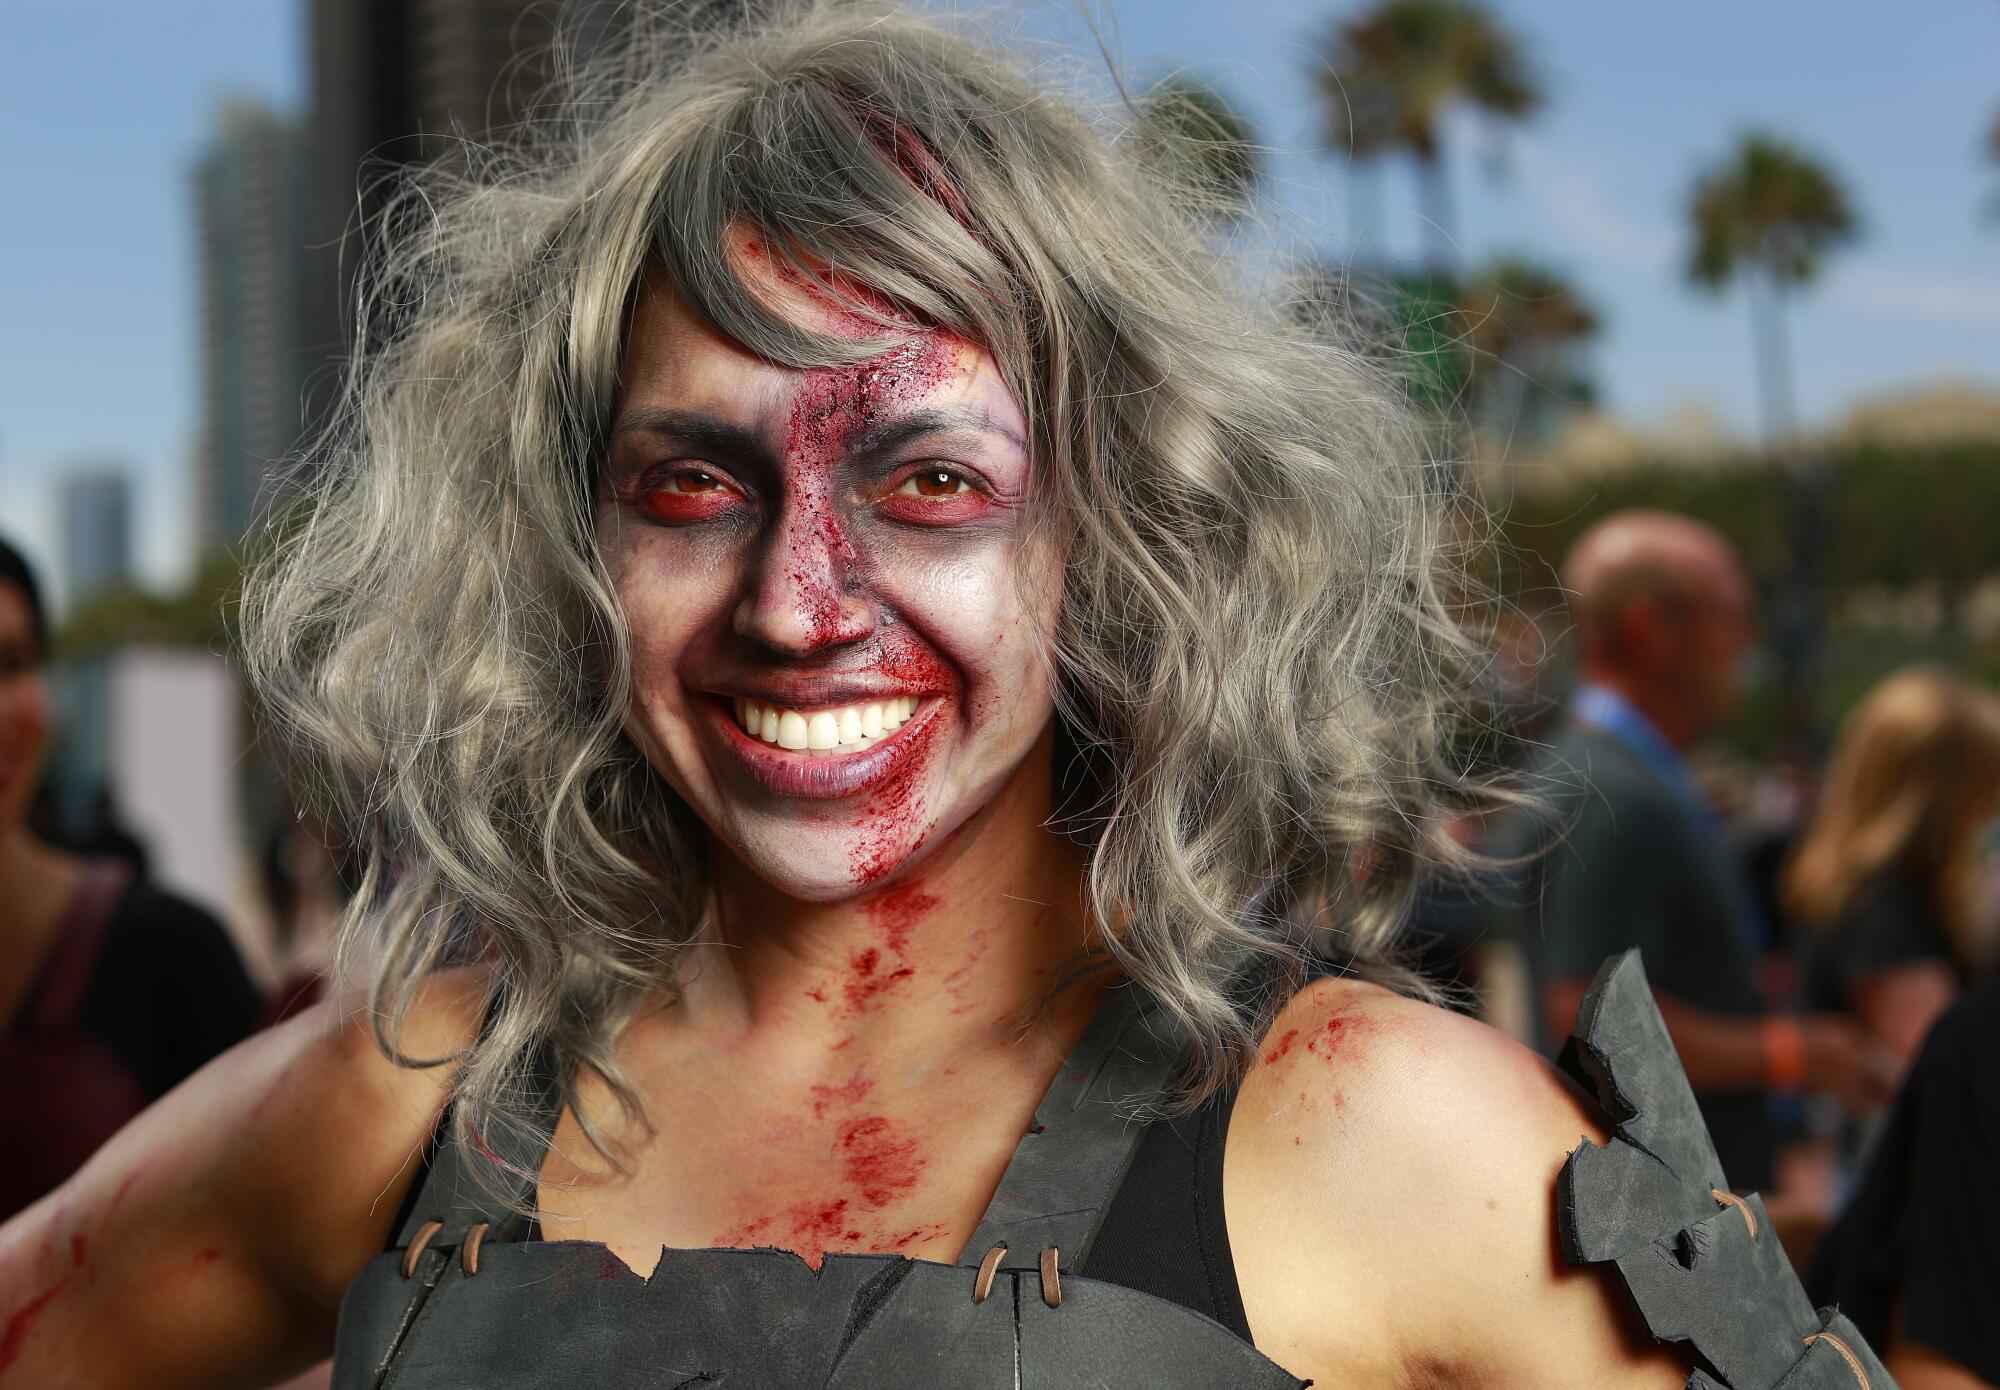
[792,730]
[844,730]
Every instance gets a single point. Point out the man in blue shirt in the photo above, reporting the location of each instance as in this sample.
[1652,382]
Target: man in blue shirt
[1637,854]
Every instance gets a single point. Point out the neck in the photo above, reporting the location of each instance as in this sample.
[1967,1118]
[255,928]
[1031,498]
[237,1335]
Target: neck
[34,879]
[1665,714]
[958,952]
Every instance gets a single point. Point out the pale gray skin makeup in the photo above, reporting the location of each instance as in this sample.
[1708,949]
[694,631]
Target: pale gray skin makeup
[781,560]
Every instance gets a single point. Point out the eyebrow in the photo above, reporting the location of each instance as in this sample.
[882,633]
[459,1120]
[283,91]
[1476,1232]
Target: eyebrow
[880,438]
[705,431]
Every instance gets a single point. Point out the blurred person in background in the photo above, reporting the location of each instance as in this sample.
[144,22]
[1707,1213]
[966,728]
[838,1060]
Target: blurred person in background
[1915,1258]
[1887,879]
[1638,855]
[112,990]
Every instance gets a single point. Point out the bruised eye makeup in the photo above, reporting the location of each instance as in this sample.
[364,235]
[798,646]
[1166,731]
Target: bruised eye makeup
[684,494]
[935,494]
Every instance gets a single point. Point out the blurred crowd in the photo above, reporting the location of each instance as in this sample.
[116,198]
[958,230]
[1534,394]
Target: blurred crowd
[1821,942]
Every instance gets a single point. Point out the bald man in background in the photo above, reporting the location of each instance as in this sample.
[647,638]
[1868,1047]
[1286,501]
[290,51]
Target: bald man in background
[1638,856]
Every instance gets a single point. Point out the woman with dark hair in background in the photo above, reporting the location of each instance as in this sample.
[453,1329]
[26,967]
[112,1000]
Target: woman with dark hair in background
[112,991]
[1888,876]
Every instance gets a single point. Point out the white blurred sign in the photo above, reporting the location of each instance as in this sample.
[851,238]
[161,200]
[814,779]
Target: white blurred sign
[172,745]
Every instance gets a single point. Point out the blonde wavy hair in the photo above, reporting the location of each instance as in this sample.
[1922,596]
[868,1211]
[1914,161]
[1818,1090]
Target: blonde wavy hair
[1259,655]
[1915,770]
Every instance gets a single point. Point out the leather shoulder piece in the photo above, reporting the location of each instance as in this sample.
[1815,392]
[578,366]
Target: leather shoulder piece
[1702,1264]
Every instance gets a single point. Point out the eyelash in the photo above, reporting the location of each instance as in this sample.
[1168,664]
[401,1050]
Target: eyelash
[934,470]
[657,497]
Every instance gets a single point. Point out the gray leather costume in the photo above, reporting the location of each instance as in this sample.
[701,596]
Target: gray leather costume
[1703,1265]
[453,1306]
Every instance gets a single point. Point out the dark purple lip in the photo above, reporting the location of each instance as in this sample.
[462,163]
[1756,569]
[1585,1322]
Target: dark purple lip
[783,772]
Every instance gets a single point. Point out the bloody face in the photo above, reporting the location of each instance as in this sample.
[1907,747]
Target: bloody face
[833,601]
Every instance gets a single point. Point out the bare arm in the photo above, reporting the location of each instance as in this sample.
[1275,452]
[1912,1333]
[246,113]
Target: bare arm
[1723,1053]
[1899,1005]
[1919,1368]
[1390,1186]
[207,1245]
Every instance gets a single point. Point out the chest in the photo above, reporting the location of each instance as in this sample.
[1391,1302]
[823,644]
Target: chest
[856,1163]
[448,1308]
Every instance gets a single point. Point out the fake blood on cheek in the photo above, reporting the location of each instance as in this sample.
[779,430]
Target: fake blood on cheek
[834,405]
[893,820]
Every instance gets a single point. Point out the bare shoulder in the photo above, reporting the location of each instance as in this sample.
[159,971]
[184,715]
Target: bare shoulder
[344,1121]
[1390,1189]
[218,1230]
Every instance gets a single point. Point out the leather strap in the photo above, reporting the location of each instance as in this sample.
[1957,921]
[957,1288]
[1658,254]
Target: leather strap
[453,1196]
[1070,1162]
[66,977]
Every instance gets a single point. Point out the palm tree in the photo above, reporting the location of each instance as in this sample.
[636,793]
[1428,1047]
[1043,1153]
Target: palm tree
[1395,72]
[1993,153]
[1770,213]
[1360,122]
[1523,324]
[1207,142]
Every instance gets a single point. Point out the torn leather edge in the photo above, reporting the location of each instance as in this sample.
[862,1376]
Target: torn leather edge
[1833,1355]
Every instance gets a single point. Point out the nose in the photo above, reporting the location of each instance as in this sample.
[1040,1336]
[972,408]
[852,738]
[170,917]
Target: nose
[801,597]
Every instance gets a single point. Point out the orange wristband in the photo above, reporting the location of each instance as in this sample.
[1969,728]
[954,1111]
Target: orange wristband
[1784,1048]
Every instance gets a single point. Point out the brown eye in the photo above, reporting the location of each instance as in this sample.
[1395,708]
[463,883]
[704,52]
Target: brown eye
[694,482]
[935,482]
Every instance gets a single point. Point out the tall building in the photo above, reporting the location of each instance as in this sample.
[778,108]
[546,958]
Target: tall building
[251,191]
[94,504]
[399,81]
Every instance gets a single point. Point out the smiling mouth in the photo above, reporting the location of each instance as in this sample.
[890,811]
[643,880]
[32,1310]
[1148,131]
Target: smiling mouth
[824,733]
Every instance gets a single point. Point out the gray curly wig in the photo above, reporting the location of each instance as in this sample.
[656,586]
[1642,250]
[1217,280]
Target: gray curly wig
[1259,654]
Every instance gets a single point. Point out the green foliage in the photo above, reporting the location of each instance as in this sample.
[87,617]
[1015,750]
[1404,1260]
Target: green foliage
[1424,337]
[1741,499]
[1896,519]
[1523,326]
[1209,142]
[1767,206]
[1905,517]
[195,617]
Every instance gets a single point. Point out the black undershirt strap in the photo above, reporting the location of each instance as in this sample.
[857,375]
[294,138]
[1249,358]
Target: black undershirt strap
[1166,1233]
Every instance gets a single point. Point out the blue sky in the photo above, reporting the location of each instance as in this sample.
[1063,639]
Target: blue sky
[104,103]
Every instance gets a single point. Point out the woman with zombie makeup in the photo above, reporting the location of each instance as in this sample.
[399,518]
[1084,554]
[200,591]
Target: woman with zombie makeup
[869,665]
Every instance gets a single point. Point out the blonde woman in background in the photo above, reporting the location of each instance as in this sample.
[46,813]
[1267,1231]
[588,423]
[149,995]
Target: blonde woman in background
[1888,875]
